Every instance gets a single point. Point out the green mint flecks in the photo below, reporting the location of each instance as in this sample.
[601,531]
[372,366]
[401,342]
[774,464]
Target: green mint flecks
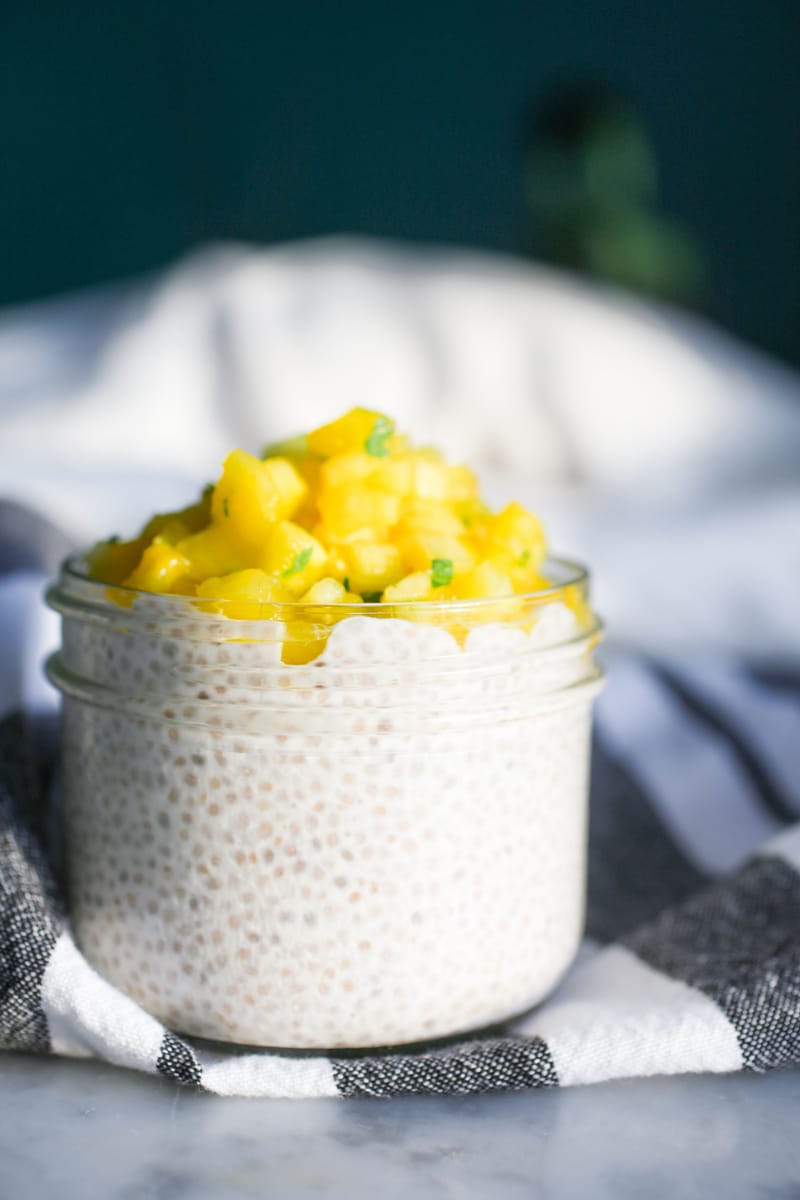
[441,571]
[298,562]
[371,597]
[112,541]
[225,510]
[524,558]
[346,584]
[375,444]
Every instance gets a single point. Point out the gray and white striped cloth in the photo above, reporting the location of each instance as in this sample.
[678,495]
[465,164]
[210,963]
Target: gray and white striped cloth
[692,955]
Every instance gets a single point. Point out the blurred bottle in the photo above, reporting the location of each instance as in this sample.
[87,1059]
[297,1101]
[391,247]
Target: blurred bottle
[591,190]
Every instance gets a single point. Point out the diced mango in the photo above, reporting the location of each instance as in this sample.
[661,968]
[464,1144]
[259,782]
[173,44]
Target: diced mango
[252,495]
[411,587]
[303,642]
[293,448]
[487,582]
[172,530]
[472,511]
[366,533]
[211,553]
[308,469]
[371,568]
[483,582]
[162,568]
[461,484]
[293,556]
[346,469]
[427,516]
[359,429]
[245,595]
[113,560]
[325,591]
[173,526]
[349,512]
[519,533]
[346,511]
[421,548]
[336,567]
[430,479]
[394,474]
[524,577]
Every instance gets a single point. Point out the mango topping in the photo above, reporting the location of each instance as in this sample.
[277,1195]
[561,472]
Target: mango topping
[346,514]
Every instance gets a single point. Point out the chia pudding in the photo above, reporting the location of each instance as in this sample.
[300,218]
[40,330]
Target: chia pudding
[382,845]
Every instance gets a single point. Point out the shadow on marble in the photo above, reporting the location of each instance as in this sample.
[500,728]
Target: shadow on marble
[83,1131]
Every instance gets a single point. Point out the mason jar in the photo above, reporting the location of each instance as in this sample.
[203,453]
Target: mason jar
[326,828]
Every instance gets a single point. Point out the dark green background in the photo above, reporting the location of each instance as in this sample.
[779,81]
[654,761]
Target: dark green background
[132,132]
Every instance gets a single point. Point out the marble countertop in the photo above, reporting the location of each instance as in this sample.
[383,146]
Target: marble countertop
[83,1131]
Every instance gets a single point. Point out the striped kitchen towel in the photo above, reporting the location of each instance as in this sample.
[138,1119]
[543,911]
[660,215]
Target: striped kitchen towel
[692,960]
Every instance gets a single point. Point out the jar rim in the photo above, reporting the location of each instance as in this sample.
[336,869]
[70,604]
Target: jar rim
[74,569]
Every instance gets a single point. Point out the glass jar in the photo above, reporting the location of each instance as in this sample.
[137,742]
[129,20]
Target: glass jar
[378,846]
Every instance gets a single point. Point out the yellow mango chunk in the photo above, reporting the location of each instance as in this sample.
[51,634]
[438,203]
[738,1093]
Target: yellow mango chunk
[346,511]
[461,484]
[308,469]
[419,549]
[252,495]
[350,512]
[113,560]
[245,595]
[162,568]
[371,567]
[303,643]
[304,639]
[487,582]
[472,511]
[295,557]
[359,429]
[366,533]
[518,534]
[211,553]
[424,478]
[394,475]
[173,530]
[325,591]
[430,481]
[330,591]
[336,566]
[411,587]
[428,516]
[173,526]
[483,582]
[524,577]
[347,469]
[293,448]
